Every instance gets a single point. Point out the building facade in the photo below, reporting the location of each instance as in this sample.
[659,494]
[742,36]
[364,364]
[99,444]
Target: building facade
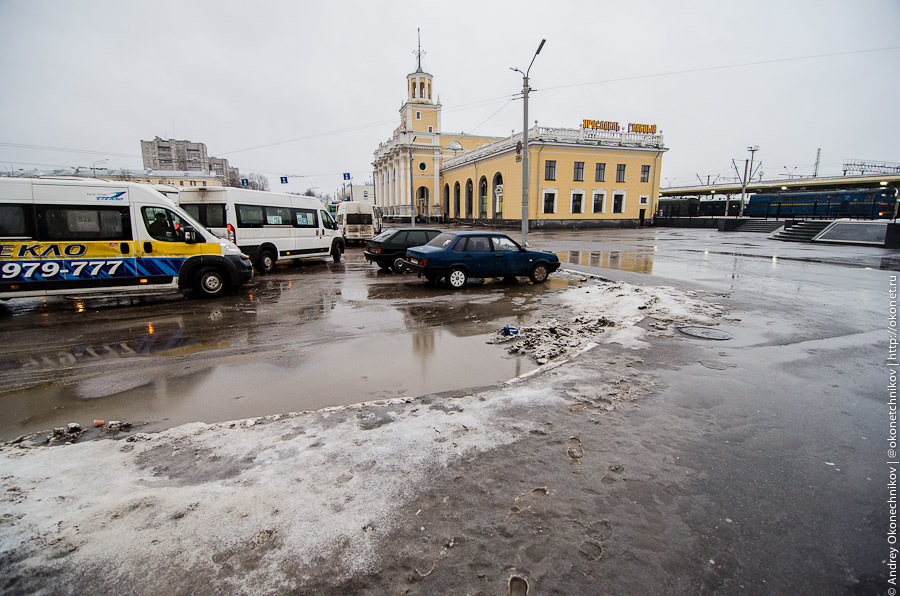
[172,155]
[357,192]
[601,174]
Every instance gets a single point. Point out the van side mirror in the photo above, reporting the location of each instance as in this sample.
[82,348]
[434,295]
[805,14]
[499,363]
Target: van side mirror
[190,234]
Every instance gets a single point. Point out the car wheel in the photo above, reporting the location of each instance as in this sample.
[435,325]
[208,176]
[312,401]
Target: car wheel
[539,273]
[398,266]
[457,278]
[210,283]
[266,262]
[336,253]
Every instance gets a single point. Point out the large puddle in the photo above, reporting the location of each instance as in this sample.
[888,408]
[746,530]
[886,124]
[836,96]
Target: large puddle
[337,373]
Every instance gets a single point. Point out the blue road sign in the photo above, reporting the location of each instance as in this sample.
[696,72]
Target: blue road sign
[245,182]
[284,179]
[346,175]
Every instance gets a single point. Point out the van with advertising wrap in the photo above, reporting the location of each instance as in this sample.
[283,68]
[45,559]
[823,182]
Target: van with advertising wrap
[268,226]
[78,237]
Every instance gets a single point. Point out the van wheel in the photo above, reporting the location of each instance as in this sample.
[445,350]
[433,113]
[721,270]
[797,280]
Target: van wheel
[266,262]
[336,252]
[397,265]
[457,278]
[539,273]
[210,283]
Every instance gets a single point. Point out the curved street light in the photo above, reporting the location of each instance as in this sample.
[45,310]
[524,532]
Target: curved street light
[525,90]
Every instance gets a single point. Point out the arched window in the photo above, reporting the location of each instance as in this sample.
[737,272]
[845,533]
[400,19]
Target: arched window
[446,206]
[469,192]
[456,200]
[497,194]
[482,197]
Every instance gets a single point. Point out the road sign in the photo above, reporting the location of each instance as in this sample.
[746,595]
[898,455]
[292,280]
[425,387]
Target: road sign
[346,175]
[245,182]
[284,179]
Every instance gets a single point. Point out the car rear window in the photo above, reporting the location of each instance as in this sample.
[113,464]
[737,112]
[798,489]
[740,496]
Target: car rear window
[384,235]
[442,240]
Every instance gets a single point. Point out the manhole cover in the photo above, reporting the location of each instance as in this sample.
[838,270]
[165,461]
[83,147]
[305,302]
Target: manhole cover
[705,333]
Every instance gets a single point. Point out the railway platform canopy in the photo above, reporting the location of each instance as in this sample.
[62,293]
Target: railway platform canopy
[872,181]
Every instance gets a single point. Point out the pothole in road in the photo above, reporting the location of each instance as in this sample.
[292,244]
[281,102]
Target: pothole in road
[705,333]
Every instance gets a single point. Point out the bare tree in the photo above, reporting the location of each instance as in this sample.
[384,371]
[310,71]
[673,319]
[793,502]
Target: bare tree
[258,181]
[233,178]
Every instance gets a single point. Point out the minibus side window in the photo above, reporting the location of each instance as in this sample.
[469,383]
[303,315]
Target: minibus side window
[215,216]
[16,221]
[250,216]
[328,221]
[278,216]
[163,225]
[76,222]
[194,211]
[305,218]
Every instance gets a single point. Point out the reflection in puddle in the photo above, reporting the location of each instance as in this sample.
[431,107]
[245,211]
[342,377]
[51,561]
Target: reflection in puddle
[363,369]
[610,259]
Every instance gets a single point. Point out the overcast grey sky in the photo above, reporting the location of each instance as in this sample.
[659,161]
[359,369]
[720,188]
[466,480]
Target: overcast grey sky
[310,88]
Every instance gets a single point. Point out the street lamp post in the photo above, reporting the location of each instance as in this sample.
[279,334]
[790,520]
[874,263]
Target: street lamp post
[525,90]
[752,151]
[94,167]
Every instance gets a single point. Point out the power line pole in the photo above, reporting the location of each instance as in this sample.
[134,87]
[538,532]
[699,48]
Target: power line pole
[752,151]
[525,90]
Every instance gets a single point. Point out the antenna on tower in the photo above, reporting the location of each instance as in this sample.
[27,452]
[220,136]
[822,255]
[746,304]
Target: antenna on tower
[419,52]
[818,159]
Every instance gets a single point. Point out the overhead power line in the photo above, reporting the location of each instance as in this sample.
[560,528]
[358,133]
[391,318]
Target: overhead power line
[67,150]
[721,67]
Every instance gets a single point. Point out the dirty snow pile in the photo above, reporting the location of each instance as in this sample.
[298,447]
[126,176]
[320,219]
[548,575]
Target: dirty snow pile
[234,503]
[610,312]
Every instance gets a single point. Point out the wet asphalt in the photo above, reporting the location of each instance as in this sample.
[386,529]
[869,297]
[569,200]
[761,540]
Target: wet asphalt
[781,429]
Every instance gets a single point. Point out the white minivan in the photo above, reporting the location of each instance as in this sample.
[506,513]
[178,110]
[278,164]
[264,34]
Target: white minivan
[268,226]
[78,237]
[358,221]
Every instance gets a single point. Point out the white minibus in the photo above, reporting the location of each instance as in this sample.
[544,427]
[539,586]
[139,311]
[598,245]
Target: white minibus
[357,221]
[268,226]
[63,236]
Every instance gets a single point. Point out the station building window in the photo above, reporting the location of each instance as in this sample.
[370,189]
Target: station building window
[549,201]
[619,203]
[550,169]
[645,173]
[577,201]
[579,171]
[620,172]
[599,200]
[600,173]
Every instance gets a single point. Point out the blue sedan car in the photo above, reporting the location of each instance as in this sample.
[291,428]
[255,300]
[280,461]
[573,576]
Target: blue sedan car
[458,256]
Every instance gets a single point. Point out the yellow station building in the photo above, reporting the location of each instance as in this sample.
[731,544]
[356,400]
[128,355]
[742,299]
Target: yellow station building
[601,174]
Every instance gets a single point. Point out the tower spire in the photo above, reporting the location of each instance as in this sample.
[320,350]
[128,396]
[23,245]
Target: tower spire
[419,52]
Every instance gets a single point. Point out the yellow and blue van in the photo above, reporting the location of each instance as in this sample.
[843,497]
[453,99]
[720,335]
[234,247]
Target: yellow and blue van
[76,237]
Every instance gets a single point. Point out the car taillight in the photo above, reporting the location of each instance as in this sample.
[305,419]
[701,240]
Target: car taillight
[231,236]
